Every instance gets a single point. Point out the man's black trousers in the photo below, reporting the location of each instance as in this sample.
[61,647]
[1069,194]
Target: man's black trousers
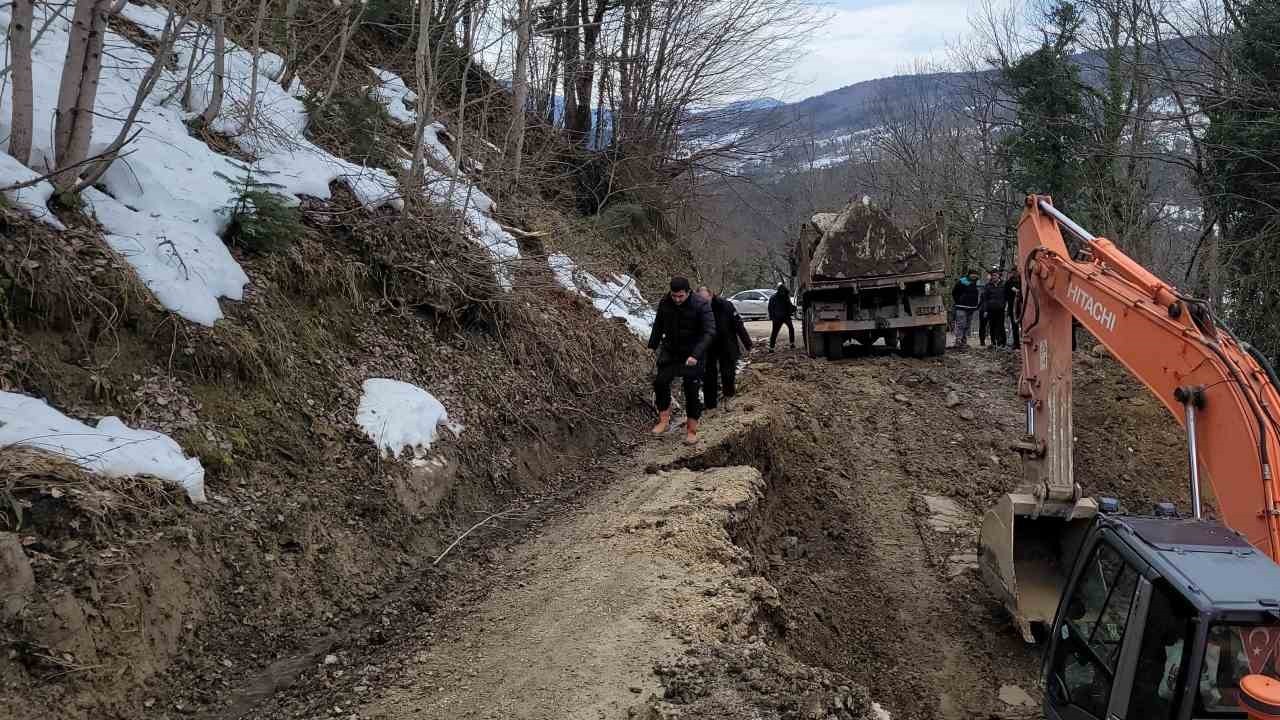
[692,380]
[721,373]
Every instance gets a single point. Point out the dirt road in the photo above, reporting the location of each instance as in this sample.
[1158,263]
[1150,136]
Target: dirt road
[812,556]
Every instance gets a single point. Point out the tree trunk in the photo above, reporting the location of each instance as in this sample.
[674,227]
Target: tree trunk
[169,36]
[424,75]
[78,90]
[23,90]
[253,73]
[569,48]
[291,44]
[218,23]
[349,28]
[519,86]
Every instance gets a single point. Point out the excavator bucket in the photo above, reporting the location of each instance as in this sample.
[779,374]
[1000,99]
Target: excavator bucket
[1026,551]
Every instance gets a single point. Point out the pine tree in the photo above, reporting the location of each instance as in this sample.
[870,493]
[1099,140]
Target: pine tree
[1047,151]
[259,219]
[1244,141]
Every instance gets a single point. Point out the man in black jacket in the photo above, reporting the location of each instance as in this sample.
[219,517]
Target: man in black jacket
[722,356]
[993,304]
[780,311]
[1013,306]
[965,298]
[682,332]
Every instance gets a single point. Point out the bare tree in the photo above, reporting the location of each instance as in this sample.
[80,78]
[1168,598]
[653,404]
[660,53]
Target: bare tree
[23,92]
[519,86]
[78,90]
[424,75]
[217,23]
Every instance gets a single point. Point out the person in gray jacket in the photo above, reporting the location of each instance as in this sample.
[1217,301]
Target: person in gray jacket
[682,332]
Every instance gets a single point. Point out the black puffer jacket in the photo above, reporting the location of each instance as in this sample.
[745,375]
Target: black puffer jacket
[780,305]
[994,297]
[966,294]
[683,331]
[729,328]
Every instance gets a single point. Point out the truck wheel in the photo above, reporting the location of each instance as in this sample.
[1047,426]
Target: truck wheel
[916,343]
[937,341]
[833,345]
[812,343]
[891,340]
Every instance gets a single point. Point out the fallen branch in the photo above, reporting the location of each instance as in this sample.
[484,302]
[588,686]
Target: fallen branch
[523,233]
[463,536]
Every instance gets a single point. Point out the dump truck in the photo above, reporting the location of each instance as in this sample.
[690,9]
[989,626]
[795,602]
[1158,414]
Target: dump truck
[861,278]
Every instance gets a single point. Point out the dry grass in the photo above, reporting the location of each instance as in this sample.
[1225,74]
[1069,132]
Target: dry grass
[29,477]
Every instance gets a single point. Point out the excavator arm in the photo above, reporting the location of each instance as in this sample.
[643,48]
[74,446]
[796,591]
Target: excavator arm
[1210,382]
[1220,390]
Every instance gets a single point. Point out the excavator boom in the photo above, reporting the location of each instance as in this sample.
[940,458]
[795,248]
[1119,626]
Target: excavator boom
[1218,388]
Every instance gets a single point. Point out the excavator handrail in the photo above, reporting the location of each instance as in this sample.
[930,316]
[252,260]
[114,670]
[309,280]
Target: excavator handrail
[1169,342]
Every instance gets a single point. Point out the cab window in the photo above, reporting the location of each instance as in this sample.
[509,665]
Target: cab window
[1158,675]
[1092,632]
[1230,653]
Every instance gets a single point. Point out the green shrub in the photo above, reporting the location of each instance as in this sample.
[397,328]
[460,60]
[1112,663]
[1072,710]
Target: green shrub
[355,125]
[260,220]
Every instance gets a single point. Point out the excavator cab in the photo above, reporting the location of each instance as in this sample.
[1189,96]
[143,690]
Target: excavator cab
[1165,619]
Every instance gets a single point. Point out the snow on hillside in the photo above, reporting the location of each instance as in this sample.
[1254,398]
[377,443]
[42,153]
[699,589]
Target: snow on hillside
[112,448]
[450,187]
[160,205]
[616,298]
[397,415]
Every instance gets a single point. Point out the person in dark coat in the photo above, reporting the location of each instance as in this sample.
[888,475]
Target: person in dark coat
[722,356]
[780,311]
[1013,306]
[965,297]
[682,332]
[993,302]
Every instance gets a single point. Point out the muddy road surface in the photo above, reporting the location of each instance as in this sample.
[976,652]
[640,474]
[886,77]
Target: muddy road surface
[812,557]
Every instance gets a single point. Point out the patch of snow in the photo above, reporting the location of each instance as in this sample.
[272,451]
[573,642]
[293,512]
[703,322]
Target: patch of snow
[397,415]
[879,712]
[112,448]
[35,199]
[616,298]
[161,202]
[395,96]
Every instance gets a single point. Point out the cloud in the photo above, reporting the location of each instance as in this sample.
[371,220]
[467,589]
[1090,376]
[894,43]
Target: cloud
[875,40]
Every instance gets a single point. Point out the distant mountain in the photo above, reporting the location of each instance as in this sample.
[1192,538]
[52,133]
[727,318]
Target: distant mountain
[829,126]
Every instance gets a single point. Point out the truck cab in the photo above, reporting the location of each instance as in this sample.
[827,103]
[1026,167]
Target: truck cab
[1161,620]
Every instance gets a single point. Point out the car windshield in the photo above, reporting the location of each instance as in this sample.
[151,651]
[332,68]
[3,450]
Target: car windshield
[1233,651]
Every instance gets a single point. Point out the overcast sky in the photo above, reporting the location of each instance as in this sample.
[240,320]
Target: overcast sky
[868,39]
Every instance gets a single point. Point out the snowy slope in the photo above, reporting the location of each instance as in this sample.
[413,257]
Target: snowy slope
[446,183]
[160,205]
[614,298]
[112,448]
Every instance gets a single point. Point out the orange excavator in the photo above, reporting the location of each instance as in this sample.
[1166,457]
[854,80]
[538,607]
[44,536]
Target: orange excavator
[1163,616]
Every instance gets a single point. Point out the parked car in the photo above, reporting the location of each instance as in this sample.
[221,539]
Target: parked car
[752,304]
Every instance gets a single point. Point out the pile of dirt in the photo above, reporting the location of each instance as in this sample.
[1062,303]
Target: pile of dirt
[869,526]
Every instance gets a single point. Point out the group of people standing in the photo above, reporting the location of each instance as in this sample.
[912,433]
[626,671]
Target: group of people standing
[699,337]
[1000,299]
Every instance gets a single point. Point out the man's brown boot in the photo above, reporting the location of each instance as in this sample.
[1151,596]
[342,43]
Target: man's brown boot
[664,422]
[690,431]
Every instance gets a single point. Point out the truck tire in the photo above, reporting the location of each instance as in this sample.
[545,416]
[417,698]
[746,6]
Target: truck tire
[937,341]
[916,343]
[812,341]
[832,345]
[891,340]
